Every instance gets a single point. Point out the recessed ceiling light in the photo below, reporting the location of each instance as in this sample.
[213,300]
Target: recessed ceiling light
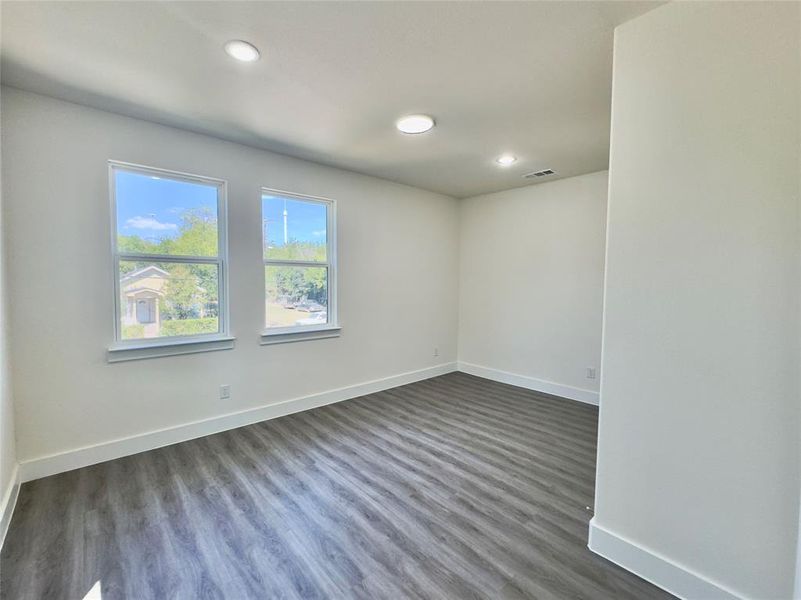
[506,159]
[414,124]
[241,50]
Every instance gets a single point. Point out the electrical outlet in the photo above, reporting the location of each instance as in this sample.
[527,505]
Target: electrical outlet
[225,392]
[436,351]
[590,372]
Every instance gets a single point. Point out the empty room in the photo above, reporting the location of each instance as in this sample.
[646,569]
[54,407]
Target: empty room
[393,300]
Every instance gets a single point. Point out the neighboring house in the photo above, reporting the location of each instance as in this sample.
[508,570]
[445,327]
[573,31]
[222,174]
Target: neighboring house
[141,291]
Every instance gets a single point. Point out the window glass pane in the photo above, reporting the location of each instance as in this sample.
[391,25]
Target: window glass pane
[293,229]
[296,296]
[158,215]
[159,299]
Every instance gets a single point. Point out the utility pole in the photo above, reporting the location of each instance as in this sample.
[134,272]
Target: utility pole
[285,215]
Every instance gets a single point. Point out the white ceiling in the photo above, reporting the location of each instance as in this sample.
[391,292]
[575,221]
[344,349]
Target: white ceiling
[531,78]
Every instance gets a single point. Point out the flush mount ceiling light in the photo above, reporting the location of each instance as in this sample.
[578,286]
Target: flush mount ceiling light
[414,124]
[506,159]
[241,50]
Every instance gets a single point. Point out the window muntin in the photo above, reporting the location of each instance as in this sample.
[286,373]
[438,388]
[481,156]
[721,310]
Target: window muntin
[299,265]
[169,255]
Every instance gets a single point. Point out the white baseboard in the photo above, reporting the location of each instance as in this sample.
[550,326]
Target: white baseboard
[651,566]
[52,464]
[81,457]
[10,495]
[531,383]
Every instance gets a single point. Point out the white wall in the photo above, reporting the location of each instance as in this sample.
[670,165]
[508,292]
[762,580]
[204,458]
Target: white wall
[397,280]
[531,283]
[8,452]
[699,433]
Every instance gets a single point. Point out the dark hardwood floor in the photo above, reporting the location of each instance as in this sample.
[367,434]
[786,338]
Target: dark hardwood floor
[454,487]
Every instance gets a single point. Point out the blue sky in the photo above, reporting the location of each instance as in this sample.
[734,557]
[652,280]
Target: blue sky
[305,220]
[151,207]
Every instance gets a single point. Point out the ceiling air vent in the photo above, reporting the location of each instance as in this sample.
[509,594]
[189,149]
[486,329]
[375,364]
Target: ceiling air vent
[535,174]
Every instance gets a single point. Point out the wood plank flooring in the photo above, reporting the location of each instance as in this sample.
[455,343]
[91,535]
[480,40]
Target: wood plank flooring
[453,487]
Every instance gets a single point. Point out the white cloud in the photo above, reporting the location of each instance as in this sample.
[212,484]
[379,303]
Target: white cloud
[150,223]
[318,232]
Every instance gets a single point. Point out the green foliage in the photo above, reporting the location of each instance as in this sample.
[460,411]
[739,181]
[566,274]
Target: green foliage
[135,244]
[191,293]
[190,285]
[182,293]
[189,326]
[296,283]
[197,236]
[133,332]
[294,250]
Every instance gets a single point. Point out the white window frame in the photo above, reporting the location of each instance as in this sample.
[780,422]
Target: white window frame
[297,333]
[121,349]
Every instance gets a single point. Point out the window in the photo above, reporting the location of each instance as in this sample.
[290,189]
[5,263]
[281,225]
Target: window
[298,235]
[169,248]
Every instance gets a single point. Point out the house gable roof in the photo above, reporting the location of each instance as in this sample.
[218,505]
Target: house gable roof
[148,271]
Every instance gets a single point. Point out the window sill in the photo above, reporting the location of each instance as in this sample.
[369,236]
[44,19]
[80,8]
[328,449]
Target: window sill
[138,351]
[285,335]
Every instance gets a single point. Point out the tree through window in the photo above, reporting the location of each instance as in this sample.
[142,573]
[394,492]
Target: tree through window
[299,261]
[169,254]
